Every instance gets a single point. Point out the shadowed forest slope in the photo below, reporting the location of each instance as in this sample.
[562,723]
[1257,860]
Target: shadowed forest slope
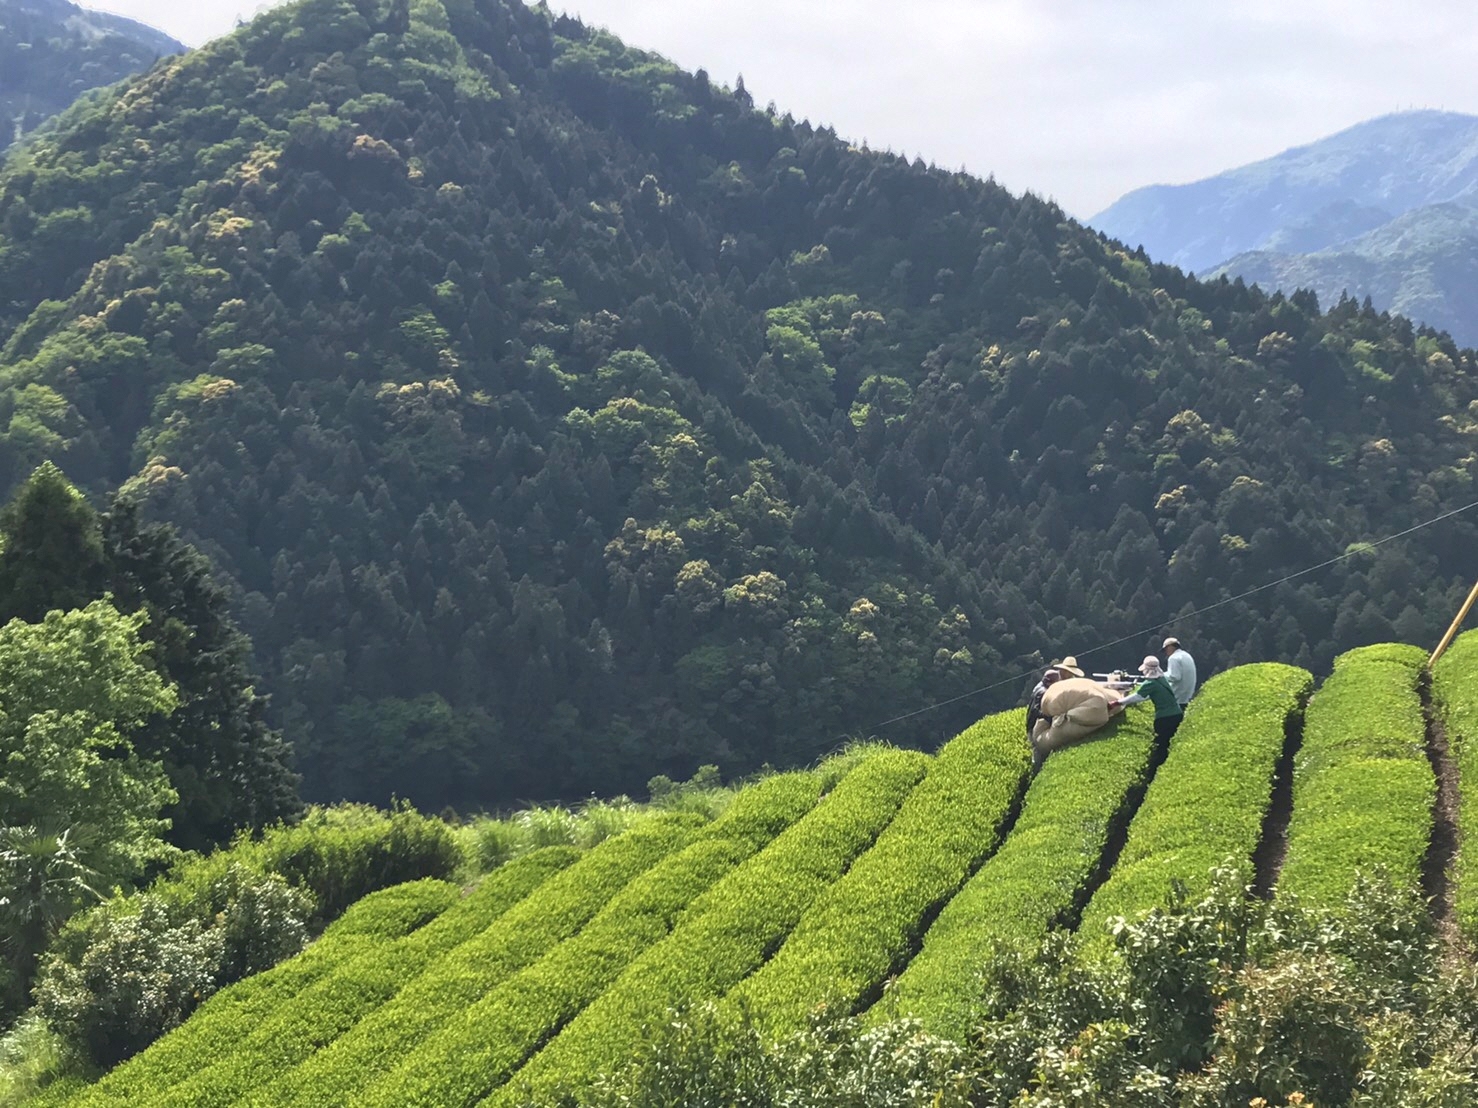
[558,417]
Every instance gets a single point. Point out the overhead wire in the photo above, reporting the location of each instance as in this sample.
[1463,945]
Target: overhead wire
[1354,550]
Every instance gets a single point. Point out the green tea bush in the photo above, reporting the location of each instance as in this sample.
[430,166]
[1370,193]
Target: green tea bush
[1363,788]
[1455,697]
[1034,881]
[699,1057]
[227,1017]
[479,1047]
[450,961]
[1221,1000]
[397,911]
[1208,800]
[861,928]
[727,932]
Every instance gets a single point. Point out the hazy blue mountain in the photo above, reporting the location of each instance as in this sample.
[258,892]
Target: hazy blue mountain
[52,51]
[1306,199]
[1423,264]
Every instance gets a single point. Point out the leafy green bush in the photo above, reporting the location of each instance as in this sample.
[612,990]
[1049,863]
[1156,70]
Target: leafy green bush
[264,921]
[727,932]
[337,855]
[1208,800]
[118,976]
[138,974]
[478,1047]
[492,842]
[224,1019]
[1362,785]
[1225,1000]
[451,961]
[263,897]
[1455,696]
[1034,881]
[864,925]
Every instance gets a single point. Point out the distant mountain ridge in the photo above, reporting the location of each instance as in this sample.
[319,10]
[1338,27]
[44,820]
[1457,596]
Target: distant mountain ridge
[1422,264]
[52,51]
[1386,209]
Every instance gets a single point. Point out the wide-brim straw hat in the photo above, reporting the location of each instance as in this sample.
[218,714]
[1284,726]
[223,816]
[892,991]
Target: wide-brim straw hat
[1069,665]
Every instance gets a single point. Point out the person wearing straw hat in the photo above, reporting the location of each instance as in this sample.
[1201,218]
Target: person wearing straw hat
[1156,689]
[1068,667]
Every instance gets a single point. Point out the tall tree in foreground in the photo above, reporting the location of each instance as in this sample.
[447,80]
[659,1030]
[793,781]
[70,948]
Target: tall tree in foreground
[228,769]
[80,808]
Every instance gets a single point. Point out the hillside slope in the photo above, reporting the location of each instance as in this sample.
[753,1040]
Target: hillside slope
[52,51]
[558,417]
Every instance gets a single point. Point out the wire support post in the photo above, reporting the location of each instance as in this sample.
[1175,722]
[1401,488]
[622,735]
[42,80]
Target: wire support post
[1457,622]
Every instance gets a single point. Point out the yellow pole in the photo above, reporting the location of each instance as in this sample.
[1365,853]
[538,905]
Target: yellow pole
[1451,631]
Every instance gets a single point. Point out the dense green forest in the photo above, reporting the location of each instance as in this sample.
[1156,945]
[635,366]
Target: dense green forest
[555,417]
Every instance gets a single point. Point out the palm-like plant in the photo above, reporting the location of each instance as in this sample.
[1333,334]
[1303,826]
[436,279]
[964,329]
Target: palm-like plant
[43,881]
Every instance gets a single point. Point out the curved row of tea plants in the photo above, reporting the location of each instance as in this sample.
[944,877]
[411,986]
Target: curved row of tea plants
[467,961]
[466,1049]
[370,925]
[1035,881]
[1208,800]
[862,928]
[1455,698]
[1363,788]
[484,949]
[727,933]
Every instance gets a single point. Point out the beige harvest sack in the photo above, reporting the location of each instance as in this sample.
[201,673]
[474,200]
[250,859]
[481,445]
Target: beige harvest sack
[1078,707]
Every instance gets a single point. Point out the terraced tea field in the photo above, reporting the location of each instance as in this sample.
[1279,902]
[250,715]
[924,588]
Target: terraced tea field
[876,892]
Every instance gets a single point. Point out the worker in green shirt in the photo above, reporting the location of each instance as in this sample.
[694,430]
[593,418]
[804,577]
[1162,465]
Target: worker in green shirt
[1156,689]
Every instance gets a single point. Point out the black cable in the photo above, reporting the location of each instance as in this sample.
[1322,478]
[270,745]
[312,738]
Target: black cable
[1360,549]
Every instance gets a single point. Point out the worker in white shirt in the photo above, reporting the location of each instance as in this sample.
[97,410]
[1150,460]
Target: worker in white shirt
[1180,670]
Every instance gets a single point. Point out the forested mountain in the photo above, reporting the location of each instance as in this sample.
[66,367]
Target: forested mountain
[52,51]
[1386,209]
[558,417]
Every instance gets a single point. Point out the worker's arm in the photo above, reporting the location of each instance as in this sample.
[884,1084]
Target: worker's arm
[1132,698]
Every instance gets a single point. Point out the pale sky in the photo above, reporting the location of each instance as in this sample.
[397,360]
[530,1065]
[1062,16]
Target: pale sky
[1079,100]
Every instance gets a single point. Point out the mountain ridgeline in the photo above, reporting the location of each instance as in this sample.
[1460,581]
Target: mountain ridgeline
[52,51]
[1386,209]
[557,417]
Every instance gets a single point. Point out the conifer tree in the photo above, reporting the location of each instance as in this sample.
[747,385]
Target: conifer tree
[229,768]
